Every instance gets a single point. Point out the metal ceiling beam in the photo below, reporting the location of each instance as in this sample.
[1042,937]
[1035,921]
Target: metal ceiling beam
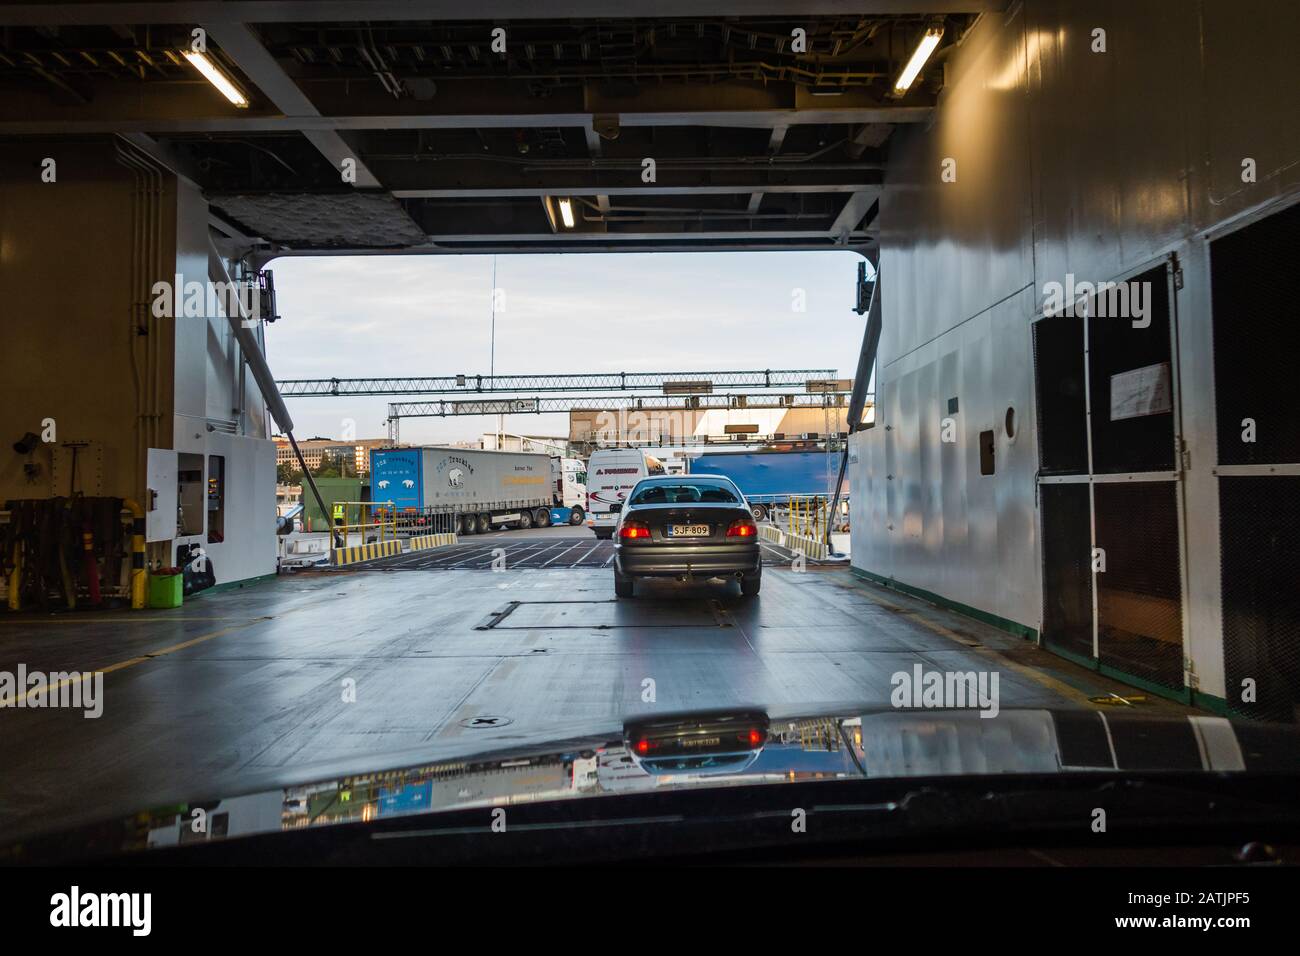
[855,207]
[680,175]
[255,123]
[677,237]
[320,11]
[241,44]
[165,156]
[594,150]
[740,241]
[774,144]
[652,189]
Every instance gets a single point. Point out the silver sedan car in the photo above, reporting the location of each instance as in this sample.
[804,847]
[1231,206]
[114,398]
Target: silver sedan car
[686,526]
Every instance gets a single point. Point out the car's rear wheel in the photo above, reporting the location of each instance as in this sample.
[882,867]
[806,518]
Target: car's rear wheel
[543,517]
[750,584]
[525,519]
[623,587]
[576,516]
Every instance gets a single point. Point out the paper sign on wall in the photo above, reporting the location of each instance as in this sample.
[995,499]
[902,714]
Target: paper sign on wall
[1141,391]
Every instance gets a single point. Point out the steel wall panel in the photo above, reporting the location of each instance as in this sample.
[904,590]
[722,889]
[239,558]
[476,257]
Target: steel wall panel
[1069,161]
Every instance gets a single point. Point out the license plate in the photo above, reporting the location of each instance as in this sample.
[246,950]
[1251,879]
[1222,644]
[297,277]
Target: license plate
[688,531]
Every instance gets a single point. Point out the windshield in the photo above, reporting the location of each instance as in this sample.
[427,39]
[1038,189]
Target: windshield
[688,491]
[415,408]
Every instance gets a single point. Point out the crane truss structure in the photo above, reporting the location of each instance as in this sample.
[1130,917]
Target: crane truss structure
[543,404]
[679,383]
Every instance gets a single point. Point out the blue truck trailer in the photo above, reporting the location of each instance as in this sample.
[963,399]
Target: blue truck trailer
[468,490]
[768,478]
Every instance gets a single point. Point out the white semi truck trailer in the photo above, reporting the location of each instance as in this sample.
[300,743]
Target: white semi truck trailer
[470,491]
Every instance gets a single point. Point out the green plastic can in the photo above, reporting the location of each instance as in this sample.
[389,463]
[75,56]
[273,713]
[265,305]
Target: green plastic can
[165,590]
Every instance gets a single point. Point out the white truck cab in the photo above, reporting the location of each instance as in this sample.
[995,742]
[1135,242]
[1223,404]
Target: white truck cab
[570,476]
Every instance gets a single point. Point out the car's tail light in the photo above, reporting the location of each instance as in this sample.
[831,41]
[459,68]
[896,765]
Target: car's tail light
[633,529]
[742,528]
[754,737]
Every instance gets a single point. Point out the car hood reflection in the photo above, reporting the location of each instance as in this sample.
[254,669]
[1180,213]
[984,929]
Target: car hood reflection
[721,749]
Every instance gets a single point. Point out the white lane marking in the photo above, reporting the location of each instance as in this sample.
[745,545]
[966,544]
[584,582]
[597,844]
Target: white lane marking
[562,553]
[461,550]
[511,554]
[588,554]
[472,557]
[482,554]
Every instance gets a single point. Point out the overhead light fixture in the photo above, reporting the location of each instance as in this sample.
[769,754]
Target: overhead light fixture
[923,50]
[566,212]
[214,76]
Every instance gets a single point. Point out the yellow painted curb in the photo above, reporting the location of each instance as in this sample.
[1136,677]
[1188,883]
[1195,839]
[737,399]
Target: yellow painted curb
[364,552]
[424,542]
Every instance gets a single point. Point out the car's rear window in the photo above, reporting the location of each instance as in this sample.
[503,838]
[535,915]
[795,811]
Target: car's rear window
[684,492]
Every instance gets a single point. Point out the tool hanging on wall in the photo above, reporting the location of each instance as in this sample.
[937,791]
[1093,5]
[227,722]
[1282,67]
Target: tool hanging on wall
[63,552]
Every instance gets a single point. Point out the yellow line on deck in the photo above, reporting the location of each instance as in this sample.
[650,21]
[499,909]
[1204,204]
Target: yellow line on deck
[131,662]
[1051,683]
[112,619]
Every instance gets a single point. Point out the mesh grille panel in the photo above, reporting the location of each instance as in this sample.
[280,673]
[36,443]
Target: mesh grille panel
[1259,528]
[1058,374]
[1143,442]
[1139,595]
[1256,339]
[1067,575]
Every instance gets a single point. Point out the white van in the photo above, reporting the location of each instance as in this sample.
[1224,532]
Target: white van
[611,474]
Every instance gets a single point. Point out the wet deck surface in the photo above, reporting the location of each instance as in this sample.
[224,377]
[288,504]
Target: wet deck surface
[243,689]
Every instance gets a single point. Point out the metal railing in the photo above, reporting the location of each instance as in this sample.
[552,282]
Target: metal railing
[806,515]
[376,521]
[411,521]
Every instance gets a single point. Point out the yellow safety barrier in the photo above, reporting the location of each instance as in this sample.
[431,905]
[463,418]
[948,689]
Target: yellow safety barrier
[801,544]
[139,575]
[365,552]
[424,542]
[808,547]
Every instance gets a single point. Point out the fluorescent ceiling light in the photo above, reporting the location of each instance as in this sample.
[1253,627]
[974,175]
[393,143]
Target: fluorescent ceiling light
[214,76]
[923,51]
[566,212]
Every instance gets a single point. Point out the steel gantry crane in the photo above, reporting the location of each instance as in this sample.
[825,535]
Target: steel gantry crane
[668,382]
[541,404]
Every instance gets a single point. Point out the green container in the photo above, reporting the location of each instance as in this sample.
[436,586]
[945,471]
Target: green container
[332,490]
[165,590]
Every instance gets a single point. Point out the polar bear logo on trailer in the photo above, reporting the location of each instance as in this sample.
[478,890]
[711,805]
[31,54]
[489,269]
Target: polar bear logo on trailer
[456,478]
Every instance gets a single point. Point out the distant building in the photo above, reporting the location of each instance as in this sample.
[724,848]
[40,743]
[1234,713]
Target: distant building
[316,452]
[550,444]
[593,427]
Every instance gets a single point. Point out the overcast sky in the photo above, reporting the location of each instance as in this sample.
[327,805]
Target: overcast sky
[362,316]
